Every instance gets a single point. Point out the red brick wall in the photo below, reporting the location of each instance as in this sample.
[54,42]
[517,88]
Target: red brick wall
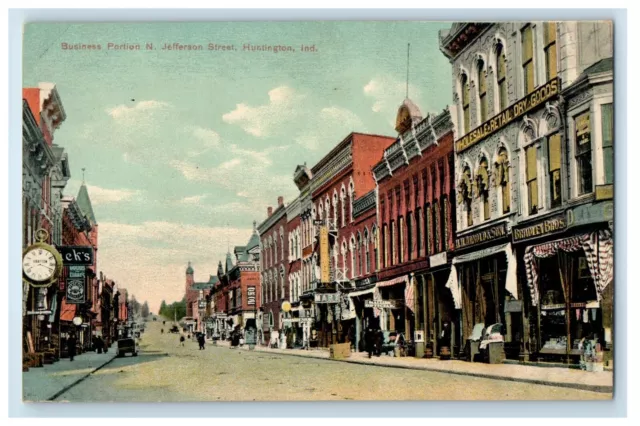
[367,152]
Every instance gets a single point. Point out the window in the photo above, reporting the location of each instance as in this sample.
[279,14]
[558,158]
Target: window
[465,194]
[359,251]
[374,233]
[483,187]
[427,229]
[583,153]
[385,245]
[502,179]
[527,59]
[394,243]
[550,55]
[482,91]
[503,101]
[401,231]
[445,222]
[353,258]
[409,235]
[555,155]
[532,178]
[419,231]
[464,84]
[436,227]
[367,258]
[607,141]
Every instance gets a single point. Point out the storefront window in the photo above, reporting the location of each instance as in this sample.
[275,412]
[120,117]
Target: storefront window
[583,153]
[554,169]
[607,141]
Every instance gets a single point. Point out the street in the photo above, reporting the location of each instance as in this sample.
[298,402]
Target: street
[164,371]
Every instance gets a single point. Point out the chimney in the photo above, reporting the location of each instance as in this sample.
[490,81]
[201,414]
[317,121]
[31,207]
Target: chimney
[269,211]
[280,201]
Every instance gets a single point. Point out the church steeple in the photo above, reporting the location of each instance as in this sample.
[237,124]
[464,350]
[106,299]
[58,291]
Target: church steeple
[189,269]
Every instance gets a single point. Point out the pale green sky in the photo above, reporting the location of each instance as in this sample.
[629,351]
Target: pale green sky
[178,144]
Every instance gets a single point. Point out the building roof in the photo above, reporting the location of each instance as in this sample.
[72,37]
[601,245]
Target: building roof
[189,269]
[603,65]
[84,202]
[229,263]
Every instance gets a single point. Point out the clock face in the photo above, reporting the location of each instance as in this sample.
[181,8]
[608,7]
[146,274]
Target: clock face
[39,264]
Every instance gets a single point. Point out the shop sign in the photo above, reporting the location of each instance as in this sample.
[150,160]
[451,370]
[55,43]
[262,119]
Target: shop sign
[604,192]
[366,281]
[590,213]
[380,304]
[486,235]
[438,259]
[497,122]
[75,285]
[251,295]
[583,129]
[513,306]
[551,225]
[327,298]
[324,255]
[72,255]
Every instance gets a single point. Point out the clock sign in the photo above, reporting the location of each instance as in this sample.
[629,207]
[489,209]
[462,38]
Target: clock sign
[41,263]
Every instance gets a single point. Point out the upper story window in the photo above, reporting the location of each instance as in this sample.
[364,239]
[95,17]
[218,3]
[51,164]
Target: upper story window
[532,177]
[606,112]
[527,59]
[464,196]
[464,85]
[550,54]
[482,179]
[502,179]
[482,90]
[501,62]
[583,153]
[555,155]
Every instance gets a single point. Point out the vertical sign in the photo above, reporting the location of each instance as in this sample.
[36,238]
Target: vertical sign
[324,254]
[75,285]
[251,295]
[583,129]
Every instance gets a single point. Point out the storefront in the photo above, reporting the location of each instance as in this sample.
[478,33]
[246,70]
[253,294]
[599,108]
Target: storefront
[483,278]
[569,281]
[396,310]
[364,313]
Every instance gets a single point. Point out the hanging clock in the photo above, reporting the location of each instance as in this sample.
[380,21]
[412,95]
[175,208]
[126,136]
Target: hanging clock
[41,262]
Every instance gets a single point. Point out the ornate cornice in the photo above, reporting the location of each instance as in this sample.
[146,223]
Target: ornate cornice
[364,203]
[341,160]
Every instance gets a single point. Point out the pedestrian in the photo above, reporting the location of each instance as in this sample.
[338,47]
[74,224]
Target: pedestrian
[368,341]
[162,331]
[71,346]
[182,340]
[99,344]
[201,341]
[352,338]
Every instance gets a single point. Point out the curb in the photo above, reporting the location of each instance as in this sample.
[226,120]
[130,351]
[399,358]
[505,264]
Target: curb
[69,386]
[579,386]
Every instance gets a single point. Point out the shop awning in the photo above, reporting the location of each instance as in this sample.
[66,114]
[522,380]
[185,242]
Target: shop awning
[362,292]
[67,311]
[598,249]
[398,280]
[511,284]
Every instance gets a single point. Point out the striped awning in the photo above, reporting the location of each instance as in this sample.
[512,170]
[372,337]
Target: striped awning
[598,249]
[398,280]
[67,311]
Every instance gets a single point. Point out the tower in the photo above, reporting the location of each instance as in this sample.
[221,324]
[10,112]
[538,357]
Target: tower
[187,287]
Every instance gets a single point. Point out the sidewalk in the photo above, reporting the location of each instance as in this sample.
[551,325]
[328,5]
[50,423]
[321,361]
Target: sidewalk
[46,383]
[550,376]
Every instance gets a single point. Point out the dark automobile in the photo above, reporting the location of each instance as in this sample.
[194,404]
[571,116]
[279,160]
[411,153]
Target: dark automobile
[126,346]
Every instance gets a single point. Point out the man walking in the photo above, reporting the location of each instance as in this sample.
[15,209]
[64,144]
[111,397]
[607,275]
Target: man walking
[201,341]
[182,340]
[71,346]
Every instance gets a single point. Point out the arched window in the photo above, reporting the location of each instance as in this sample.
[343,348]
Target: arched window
[385,245]
[335,209]
[376,244]
[343,197]
[482,91]
[359,254]
[367,257]
[410,235]
[531,154]
[466,97]
[502,179]
[501,74]
[482,183]
[351,198]
[418,222]
[465,193]
[343,251]
[282,288]
[353,257]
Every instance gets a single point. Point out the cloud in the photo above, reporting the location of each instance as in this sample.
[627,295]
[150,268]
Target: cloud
[387,94]
[100,195]
[139,109]
[209,138]
[195,199]
[260,120]
[149,259]
[340,121]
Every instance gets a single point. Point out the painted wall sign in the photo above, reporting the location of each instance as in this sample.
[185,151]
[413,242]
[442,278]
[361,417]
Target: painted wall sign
[590,213]
[251,295]
[438,259]
[524,105]
[486,235]
[75,288]
[327,298]
[365,282]
[324,255]
[551,225]
[72,255]
[583,129]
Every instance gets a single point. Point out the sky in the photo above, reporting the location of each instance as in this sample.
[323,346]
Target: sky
[183,150]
